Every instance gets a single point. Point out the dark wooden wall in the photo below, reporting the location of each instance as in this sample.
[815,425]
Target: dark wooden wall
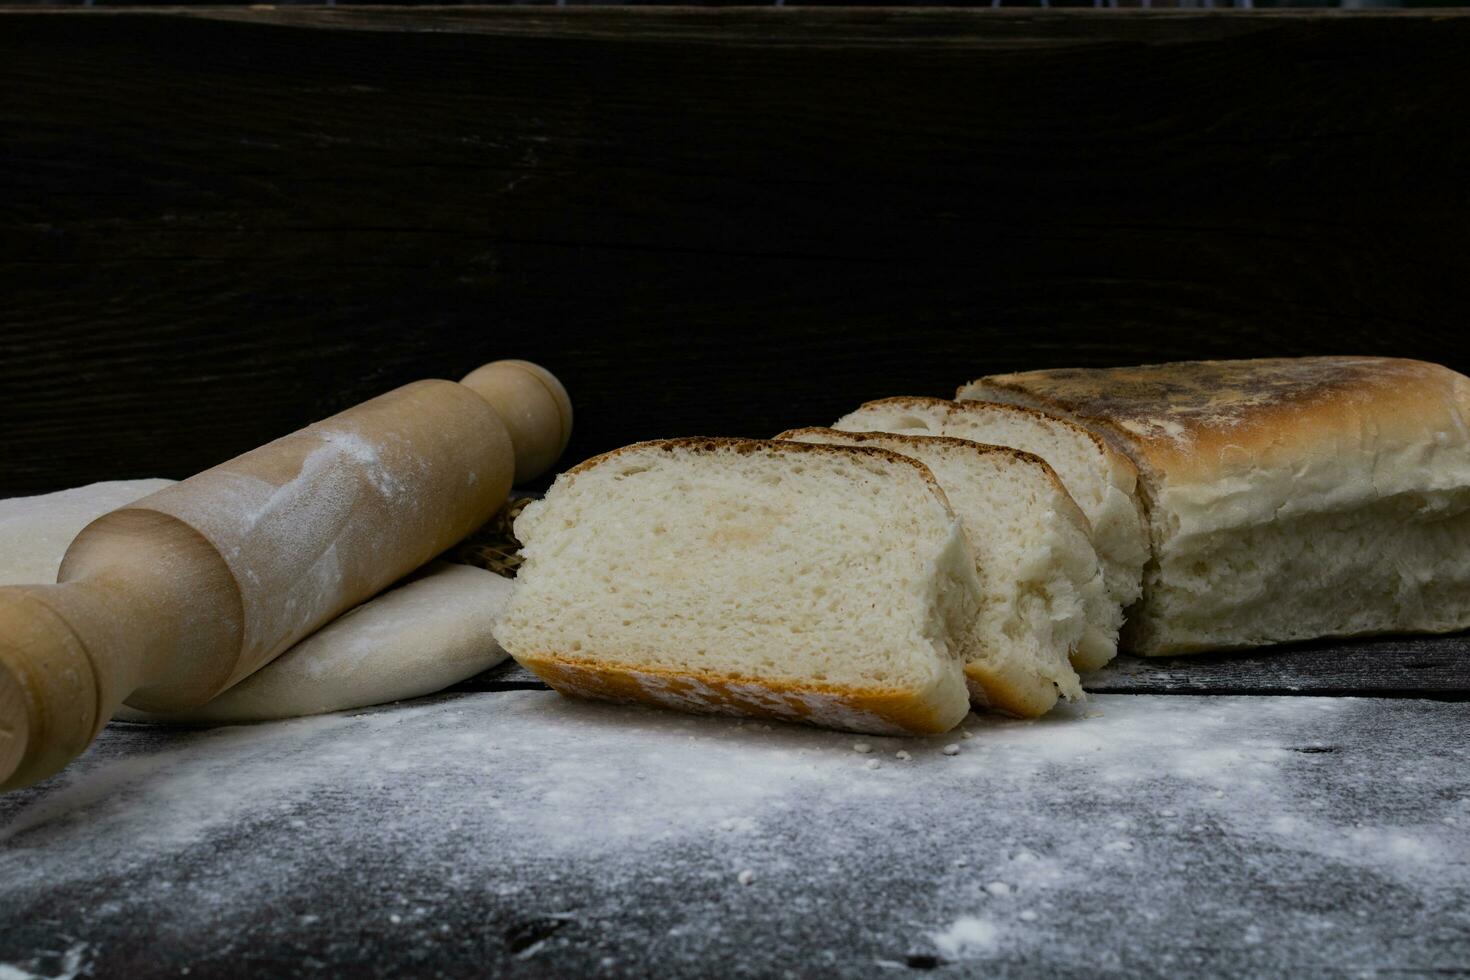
[216,226]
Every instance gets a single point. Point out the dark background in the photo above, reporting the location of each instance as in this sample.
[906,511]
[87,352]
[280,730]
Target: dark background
[216,227]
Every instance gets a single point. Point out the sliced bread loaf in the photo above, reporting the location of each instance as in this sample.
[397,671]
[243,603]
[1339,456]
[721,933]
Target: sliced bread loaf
[821,584]
[1033,555]
[1100,478]
[1289,498]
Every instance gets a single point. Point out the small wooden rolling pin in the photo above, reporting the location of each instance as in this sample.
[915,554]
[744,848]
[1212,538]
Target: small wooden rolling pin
[171,600]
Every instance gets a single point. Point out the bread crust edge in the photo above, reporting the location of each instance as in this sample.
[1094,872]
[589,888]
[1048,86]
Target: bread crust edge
[1423,394]
[872,711]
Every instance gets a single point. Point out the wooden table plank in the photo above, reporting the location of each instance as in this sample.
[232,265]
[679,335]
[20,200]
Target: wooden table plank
[508,676]
[768,26]
[522,834]
[1415,666]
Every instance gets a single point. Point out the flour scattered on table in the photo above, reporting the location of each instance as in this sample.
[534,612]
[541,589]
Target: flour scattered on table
[495,814]
[967,937]
[70,963]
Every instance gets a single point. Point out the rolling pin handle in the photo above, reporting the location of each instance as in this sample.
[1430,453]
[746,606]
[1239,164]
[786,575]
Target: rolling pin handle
[534,407]
[49,691]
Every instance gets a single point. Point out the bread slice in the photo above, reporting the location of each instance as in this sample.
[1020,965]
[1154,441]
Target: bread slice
[1100,478]
[819,584]
[1033,556]
[1288,498]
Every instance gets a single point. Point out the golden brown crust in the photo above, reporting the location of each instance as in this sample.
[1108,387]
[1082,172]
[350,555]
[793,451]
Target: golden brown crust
[919,442]
[1124,471]
[1012,692]
[1208,394]
[953,405]
[714,444]
[1181,417]
[870,710]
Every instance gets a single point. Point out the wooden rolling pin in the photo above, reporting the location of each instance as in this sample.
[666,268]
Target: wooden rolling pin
[171,600]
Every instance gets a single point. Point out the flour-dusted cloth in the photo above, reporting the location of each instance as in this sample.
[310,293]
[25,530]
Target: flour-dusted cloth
[429,632]
[36,531]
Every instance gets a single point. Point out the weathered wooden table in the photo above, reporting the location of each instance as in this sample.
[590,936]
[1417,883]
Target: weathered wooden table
[219,224]
[1302,814]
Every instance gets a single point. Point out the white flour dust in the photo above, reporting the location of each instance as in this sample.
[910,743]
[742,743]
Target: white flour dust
[1040,844]
[69,962]
[967,937]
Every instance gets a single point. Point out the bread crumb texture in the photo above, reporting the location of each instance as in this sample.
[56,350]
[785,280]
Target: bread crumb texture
[1098,477]
[823,584]
[1038,570]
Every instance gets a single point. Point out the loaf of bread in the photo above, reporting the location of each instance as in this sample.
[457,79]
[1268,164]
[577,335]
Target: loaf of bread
[1287,498]
[1033,556]
[821,584]
[1100,478]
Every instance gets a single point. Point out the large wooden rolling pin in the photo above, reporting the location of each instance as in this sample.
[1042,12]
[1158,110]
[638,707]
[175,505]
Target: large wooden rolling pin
[171,600]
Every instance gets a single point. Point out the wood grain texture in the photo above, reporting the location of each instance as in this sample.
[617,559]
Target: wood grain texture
[1436,667]
[218,225]
[505,676]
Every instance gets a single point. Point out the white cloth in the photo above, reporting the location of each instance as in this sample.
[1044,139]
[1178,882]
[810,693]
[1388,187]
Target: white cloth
[428,632]
[36,531]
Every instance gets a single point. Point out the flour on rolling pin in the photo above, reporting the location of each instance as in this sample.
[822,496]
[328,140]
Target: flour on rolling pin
[429,631]
[319,518]
[170,601]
